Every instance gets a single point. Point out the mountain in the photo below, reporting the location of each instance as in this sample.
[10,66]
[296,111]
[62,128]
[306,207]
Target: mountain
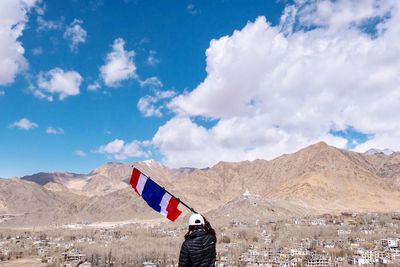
[315,180]
[318,177]
[29,204]
[252,208]
[106,179]
[43,178]
[386,167]
[374,151]
[58,181]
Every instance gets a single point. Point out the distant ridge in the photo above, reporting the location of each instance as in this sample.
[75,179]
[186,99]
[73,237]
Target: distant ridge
[43,178]
[314,180]
[374,151]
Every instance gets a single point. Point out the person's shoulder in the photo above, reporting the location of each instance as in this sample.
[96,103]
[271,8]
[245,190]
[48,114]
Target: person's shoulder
[212,238]
[185,243]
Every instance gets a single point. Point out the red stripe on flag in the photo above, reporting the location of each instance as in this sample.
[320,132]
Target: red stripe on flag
[135,178]
[172,209]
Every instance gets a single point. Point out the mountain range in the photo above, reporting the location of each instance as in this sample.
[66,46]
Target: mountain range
[315,180]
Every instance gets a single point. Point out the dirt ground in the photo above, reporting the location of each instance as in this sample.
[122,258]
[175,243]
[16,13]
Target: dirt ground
[27,262]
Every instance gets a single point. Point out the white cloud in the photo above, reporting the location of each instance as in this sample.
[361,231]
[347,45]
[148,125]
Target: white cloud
[192,10]
[119,65]
[41,8]
[49,25]
[80,153]
[13,19]
[341,14]
[120,150]
[39,94]
[37,51]
[152,82]
[187,144]
[274,89]
[194,143]
[53,130]
[150,105]
[147,108]
[24,124]
[59,82]
[94,86]
[152,59]
[75,34]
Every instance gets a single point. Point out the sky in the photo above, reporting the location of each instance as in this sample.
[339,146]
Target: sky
[192,83]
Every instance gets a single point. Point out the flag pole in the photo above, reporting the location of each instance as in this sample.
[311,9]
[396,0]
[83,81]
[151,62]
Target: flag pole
[177,198]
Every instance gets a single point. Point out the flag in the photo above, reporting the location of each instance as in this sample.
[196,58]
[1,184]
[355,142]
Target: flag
[156,196]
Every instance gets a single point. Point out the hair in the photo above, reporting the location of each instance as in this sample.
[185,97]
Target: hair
[206,227]
[209,228]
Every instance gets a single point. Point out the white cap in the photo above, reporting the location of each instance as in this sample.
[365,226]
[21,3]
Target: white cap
[196,219]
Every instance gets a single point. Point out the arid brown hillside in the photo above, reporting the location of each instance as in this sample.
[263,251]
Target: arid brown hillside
[316,179]
[104,180]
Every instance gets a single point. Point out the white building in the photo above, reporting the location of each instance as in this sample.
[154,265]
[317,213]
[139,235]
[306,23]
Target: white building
[358,260]
[246,194]
[149,264]
[390,243]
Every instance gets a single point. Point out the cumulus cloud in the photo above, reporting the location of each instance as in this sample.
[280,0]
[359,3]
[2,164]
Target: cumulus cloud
[80,153]
[185,143]
[24,124]
[120,150]
[13,19]
[53,130]
[151,105]
[326,67]
[58,82]
[75,34]
[119,65]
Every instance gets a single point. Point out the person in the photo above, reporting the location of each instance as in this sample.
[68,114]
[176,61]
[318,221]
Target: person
[199,247]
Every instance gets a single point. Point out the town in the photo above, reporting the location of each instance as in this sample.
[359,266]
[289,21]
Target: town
[328,240]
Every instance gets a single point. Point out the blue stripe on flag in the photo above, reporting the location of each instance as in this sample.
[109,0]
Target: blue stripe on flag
[152,194]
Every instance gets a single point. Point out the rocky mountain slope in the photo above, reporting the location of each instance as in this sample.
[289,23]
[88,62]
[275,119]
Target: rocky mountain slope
[315,180]
[319,177]
[104,180]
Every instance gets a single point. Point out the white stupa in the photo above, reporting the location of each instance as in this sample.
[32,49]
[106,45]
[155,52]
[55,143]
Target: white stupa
[246,194]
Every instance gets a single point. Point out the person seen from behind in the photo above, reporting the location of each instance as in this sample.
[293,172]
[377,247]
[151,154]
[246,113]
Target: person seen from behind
[199,247]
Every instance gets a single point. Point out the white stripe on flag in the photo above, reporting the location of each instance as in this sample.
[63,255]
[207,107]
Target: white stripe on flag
[164,204]
[140,185]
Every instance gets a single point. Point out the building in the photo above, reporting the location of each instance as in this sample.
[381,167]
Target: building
[390,243]
[149,264]
[318,261]
[246,194]
[358,260]
[73,256]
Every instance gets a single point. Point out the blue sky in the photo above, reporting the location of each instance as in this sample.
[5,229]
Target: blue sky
[178,36]
[192,83]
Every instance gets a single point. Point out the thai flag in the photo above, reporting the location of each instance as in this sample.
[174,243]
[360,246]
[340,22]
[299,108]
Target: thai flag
[155,195]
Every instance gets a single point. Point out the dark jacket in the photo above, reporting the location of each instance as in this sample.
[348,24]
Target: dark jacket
[198,250]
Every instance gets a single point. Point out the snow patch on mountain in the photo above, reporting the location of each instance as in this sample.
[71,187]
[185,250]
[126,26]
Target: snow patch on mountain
[374,151]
